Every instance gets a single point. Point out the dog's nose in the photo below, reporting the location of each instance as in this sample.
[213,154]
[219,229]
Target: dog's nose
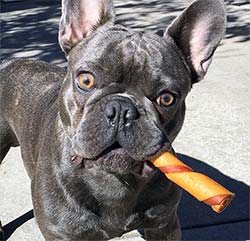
[121,110]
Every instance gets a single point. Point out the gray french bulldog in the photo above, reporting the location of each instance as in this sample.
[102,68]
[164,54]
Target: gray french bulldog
[86,134]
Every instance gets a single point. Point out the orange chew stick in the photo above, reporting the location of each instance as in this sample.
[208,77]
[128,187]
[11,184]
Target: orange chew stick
[200,186]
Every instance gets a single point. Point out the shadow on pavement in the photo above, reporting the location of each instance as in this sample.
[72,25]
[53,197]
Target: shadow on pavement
[147,15]
[199,222]
[29,28]
[238,20]
[11,227]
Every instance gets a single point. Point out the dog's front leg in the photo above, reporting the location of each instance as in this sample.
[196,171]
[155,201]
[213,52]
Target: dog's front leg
[171,232]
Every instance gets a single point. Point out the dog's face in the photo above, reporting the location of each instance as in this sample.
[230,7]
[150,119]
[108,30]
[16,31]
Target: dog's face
[123,99]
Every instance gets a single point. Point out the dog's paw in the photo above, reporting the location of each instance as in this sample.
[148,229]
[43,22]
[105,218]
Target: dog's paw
[1,232]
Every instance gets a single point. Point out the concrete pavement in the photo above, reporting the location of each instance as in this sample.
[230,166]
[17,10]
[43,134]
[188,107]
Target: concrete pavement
[215,138]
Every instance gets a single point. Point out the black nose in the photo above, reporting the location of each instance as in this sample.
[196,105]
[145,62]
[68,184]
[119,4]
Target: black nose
[121,110]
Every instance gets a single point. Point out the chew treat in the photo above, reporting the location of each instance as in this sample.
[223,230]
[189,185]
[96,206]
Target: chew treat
[200,186]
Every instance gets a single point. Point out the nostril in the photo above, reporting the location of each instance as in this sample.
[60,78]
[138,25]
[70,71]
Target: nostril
[131,114]
[110,112]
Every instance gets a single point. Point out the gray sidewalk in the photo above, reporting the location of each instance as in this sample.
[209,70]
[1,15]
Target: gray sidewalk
[215,138]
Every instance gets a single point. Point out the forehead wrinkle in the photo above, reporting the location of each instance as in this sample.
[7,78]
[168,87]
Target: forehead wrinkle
[128,47]
[147,65]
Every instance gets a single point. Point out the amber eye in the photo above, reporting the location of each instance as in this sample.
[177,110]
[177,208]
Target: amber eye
[166,99]
[86,81]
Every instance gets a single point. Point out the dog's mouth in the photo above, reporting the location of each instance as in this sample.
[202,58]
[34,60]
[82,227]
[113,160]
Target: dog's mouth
[116,159]
[116,147]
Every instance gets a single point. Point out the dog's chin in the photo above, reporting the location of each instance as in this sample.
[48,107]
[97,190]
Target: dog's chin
[116,160]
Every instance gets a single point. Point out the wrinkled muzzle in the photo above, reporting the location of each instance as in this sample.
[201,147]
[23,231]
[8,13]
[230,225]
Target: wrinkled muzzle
[118,124]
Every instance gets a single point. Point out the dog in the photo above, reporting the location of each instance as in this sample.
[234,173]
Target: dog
[87,133]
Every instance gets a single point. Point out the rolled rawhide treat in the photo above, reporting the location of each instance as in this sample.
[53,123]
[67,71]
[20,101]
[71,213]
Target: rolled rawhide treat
[198,185]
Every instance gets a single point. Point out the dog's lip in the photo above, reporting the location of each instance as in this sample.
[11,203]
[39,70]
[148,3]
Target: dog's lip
[147,169]
[76,159]
[143,168]
[114,147]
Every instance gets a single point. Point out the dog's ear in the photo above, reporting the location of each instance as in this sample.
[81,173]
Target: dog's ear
[80,18]
[197,32]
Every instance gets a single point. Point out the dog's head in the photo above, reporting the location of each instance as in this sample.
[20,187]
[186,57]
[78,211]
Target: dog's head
[123,98]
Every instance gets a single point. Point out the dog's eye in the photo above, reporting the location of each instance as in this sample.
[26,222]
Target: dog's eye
[166,99]
[86,81]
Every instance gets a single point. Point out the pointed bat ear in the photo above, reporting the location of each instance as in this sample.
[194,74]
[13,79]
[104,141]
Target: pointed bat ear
[80,18]
[197,32]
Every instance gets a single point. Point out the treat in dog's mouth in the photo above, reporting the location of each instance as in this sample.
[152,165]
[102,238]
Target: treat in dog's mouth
[114,159]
